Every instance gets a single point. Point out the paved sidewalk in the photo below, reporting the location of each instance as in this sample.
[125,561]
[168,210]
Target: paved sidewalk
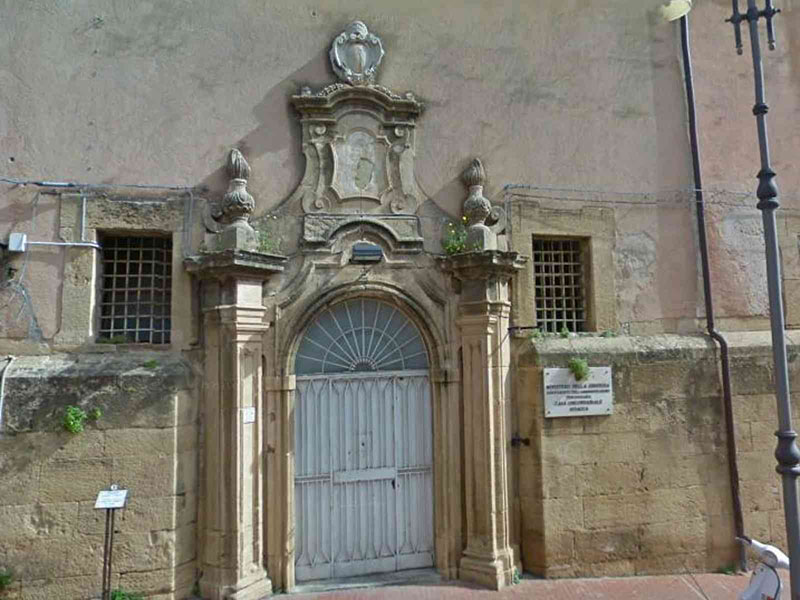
[668,587]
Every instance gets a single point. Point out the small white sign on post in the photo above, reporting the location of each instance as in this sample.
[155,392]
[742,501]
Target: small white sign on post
[249,414]
[111,499]
[565,397]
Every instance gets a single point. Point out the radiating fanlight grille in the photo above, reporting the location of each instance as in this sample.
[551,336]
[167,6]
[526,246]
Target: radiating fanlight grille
[360,335]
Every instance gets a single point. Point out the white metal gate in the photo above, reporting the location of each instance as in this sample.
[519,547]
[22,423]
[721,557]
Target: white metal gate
[363,462]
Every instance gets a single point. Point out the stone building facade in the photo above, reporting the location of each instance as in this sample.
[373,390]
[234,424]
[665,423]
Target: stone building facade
[310,263]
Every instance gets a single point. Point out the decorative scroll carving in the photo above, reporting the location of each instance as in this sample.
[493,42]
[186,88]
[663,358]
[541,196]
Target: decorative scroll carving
[358,138]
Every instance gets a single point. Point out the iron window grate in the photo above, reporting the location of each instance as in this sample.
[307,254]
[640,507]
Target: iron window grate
[136,289]
[559,286]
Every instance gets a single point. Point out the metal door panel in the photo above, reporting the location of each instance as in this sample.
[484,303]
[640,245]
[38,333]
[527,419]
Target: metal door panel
[363,485]
[364,475]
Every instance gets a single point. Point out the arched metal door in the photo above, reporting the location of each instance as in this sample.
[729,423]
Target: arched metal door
[363,444]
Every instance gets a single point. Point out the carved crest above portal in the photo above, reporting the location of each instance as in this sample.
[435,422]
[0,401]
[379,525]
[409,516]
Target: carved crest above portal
[355,54]
[358,136]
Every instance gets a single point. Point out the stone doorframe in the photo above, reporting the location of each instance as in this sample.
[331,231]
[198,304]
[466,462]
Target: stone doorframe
[280,343]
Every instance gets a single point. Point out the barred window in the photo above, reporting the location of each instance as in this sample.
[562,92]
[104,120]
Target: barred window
[136,290]
[559,284]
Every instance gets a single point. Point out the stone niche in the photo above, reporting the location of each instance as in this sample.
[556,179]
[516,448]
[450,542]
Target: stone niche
[358,140]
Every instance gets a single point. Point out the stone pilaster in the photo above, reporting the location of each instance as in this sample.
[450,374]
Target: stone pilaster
[483,319]
[231,545]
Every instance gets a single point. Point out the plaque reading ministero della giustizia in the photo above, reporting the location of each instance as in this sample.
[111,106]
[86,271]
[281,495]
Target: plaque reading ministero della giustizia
[565,397]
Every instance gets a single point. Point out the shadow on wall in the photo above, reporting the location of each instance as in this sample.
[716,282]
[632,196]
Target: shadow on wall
[279,128]
[676,274]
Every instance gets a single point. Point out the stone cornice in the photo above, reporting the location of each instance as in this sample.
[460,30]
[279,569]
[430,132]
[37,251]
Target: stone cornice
[235,263]
[478,266]
[324,106]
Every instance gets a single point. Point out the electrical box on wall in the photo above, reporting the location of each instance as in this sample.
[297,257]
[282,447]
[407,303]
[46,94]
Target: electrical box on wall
[17,242]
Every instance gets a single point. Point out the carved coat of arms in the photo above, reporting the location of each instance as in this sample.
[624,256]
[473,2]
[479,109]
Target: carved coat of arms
[355,54]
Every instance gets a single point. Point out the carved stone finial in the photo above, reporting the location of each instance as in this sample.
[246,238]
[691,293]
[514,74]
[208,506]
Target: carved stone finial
[474,174]
[237,204]
[237,165]
[476,207]
[236,208]
[355,54]
[484,221]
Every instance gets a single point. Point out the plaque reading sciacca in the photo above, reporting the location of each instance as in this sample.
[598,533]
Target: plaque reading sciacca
[565,397]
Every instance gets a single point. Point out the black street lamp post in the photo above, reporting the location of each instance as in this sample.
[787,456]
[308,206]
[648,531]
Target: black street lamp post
[786,453]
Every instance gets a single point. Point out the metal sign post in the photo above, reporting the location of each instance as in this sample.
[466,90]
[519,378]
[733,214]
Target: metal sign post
[109,500]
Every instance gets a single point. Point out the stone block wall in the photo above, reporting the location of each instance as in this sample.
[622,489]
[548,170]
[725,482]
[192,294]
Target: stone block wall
[647,489]
[51,536]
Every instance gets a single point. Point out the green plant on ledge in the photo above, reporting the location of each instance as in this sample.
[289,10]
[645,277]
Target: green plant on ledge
[729,569]
[120,594]
[579,368]
[455,237]
[267,244]
[6,579]
[75,418]
[116,339]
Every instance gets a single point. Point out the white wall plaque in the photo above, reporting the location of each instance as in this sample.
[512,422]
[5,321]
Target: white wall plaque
[565,397]
[249,414]
[111,499]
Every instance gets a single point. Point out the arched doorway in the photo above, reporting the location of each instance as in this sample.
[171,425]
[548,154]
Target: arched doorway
[363,440]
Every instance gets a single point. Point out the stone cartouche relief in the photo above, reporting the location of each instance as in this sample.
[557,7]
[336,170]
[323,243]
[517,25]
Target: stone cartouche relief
[358,141]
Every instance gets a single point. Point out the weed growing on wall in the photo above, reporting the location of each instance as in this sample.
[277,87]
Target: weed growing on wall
[455,237]
[75,418]
[538,334]
[6,579]
[269,239]
[121,594]
[579,368]
[116,339]
[267,244]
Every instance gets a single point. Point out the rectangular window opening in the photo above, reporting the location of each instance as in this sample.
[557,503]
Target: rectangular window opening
[130,294]
[559,284]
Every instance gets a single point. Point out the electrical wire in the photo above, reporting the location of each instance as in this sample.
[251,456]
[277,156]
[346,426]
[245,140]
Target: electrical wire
[628,197]
[90,186]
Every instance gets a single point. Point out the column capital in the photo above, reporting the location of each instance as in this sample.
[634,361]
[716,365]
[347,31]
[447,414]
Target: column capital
[481,278]
[235,264]
[483,266]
